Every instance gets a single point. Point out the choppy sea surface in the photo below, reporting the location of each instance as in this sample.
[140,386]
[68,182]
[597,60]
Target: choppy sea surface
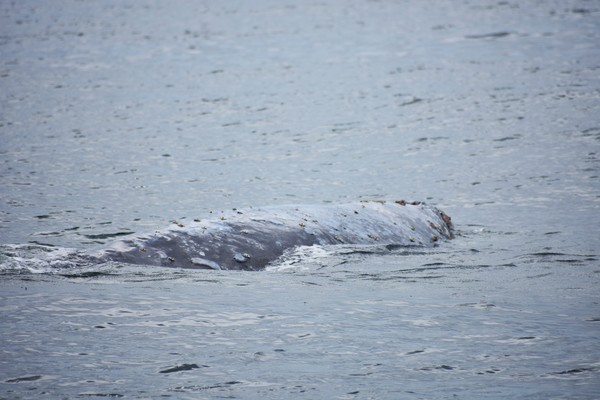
[120,117]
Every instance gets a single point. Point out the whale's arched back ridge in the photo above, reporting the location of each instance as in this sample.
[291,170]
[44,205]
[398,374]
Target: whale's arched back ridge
[249,239]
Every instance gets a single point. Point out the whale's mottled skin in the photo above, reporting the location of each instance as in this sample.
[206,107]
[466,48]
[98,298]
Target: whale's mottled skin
[249,239]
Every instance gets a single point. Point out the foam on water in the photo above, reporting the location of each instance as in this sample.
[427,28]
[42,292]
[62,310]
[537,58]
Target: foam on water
[301,258]
[36,259]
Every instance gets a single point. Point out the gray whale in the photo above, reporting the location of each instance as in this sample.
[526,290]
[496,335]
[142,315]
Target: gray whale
[250,239]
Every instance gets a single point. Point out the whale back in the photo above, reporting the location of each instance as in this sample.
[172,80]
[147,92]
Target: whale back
[250,239]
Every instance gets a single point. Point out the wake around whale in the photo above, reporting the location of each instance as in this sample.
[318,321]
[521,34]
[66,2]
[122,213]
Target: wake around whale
[250,239]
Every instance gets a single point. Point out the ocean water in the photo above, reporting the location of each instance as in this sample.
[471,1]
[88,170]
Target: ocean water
[121,117]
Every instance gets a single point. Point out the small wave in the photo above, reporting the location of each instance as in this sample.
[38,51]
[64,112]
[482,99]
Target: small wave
[102,236]
[559,257]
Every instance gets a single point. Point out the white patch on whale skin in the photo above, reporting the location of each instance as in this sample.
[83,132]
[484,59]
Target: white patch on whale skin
[203,262]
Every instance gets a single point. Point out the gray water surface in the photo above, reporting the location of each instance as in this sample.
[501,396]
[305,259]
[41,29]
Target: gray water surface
[121,117]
